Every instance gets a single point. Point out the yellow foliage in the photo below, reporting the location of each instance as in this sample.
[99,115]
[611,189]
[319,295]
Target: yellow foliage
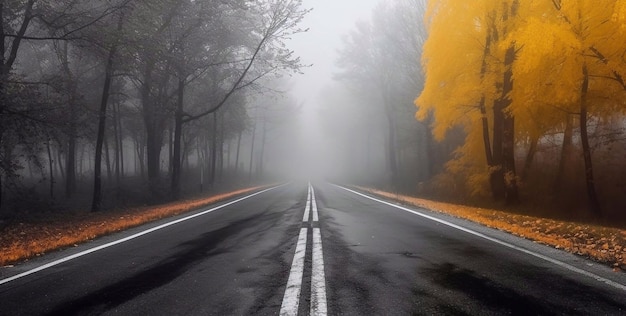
[619,14]
[463,61]
[452,69]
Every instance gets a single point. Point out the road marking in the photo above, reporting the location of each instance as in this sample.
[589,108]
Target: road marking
[308,205]
[503,243]
[315,215]
[119,241]
[291,299]
[318,279]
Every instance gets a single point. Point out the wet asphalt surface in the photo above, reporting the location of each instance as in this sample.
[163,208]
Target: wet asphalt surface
[379,260]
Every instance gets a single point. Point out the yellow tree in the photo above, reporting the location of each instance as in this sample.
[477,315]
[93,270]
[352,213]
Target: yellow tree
[598,65]
[546,81]
[531,65]
[469,79]
[572,59]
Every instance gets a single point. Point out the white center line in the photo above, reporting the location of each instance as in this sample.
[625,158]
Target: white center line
[308,205]
[314,208]
[291,299]
[318,280]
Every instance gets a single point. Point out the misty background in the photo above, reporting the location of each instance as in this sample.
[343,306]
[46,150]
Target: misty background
[133,102]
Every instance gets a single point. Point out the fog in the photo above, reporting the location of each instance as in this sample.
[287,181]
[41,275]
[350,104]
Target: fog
[163,101]
[211,140]
[331,108]
[131,101]
[328,24]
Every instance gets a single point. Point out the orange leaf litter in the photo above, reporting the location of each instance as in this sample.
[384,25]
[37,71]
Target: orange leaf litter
[26,240]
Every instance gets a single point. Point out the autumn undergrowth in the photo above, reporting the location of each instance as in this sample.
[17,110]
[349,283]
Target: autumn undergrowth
[26,239]
[600,243]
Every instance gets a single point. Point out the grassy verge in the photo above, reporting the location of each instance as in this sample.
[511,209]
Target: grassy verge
[27,239]
[603,244]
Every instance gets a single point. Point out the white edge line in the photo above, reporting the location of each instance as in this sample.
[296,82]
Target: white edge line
[503,243]
[318,279]
[119,241]
[291,298]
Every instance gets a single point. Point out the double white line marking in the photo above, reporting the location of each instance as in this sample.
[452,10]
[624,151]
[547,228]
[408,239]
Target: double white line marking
[291,299]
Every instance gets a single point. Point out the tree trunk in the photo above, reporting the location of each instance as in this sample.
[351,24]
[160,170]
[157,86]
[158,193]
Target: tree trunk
[1,190]
[96,203]
[566,152]
[229,145]
[153,157]
[107,158]
[510,180]
[3,75]
[51,166]
[391,145]
[81,163]
[184,152]
[486,140]
[206,151]
[178,125]
[70,166]
[116,138]
[220,167]
[508,132]
[494,164]
[170,145]
[530,156]
[121,139]
[494,171]
[262,154]
[70,182]
[252,150]
[200,163]
[60,163]
[4,163]
[503,176]
[496,176]
[594,203]
[433,154]
[238,149]
[140,159]
[154,132]
[214,150]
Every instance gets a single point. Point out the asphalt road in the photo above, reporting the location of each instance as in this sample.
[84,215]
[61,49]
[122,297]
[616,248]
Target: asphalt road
[351,255]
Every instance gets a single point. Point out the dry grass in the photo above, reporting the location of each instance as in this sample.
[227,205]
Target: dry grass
[23,240]
[603,244]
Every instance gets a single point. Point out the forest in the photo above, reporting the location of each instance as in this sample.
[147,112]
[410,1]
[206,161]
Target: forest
[520,104]
[106,104]
[507,103]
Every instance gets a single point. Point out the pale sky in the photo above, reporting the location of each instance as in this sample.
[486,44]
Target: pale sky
[329,21]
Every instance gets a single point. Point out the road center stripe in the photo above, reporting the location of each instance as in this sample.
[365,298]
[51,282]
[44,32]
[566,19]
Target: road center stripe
[291,299]
[308,205]
[314,208]
[503,243]
[318,280]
